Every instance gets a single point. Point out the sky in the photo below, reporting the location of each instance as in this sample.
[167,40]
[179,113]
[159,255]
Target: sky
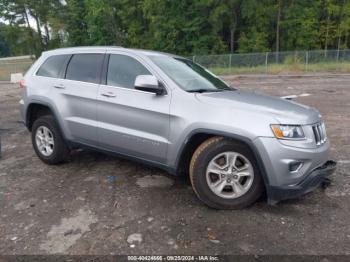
[30,18]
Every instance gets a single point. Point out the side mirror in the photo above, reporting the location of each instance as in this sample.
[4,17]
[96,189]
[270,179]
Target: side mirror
[148,83]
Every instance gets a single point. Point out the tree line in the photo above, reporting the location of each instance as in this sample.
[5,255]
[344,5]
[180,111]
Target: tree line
[186,27]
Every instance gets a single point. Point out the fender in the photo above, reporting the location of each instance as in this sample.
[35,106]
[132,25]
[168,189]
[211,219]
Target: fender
[53,111]
[242,139]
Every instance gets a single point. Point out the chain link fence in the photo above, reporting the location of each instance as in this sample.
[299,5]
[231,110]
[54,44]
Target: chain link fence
[273,62]
[269,62]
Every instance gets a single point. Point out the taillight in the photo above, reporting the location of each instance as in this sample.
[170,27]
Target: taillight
[22,83]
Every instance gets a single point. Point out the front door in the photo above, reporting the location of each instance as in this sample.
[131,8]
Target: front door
[132,122]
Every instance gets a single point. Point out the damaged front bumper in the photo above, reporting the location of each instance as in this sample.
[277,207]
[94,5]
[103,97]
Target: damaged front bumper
[313,180]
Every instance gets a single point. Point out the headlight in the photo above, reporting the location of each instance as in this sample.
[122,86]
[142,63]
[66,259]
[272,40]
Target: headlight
[288,131]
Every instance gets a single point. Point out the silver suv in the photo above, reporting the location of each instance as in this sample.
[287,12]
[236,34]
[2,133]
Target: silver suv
[170,112]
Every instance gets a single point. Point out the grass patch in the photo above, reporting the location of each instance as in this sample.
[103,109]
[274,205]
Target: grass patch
[284,68]
[8,68]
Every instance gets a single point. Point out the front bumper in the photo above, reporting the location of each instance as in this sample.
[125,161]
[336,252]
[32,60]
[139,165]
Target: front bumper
[312,181]
[282,183]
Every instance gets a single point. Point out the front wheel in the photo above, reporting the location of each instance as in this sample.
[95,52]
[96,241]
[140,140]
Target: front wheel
[224,174]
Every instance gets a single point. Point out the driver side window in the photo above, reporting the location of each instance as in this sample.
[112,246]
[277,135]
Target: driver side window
[123,70]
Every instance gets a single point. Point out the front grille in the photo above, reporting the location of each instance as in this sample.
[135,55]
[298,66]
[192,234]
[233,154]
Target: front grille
[320,133]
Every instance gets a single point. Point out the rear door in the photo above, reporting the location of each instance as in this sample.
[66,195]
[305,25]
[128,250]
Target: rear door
[76,94]
[132,122]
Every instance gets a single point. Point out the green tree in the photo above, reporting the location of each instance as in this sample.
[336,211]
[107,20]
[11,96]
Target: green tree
[234,19]
[4,46]
[301,25]
[184,27]
[103,22]
[328,28]
[135,25]
[343,24]
[17,39]
[18,13]
[75,24]
[258,19]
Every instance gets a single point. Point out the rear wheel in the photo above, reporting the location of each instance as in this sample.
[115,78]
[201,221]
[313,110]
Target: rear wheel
[47,140]
[224,174]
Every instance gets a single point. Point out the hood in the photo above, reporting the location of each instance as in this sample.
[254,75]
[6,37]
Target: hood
[284,111]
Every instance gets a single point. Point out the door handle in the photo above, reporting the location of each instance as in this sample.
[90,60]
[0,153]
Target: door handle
[109,94]
[59,86]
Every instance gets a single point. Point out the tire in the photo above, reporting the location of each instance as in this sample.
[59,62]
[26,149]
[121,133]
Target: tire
[59,151]
[219,148]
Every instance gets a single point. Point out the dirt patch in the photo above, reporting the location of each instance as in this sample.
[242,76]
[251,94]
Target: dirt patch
[154,181]
[61,237]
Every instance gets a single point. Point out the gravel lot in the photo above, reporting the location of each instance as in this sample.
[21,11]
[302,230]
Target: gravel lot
[98,204]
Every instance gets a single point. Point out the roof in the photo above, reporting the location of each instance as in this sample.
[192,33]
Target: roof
[68,50]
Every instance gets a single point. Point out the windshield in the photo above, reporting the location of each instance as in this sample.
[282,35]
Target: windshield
[190,76]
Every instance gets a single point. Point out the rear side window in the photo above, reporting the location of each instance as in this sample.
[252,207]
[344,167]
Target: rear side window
[123,70]
[52,66]
[85,67]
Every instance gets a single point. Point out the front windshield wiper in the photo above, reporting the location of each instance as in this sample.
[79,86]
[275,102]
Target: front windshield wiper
[203,90]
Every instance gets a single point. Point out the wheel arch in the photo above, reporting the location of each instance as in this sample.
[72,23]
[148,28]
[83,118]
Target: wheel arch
[47,110]
[35,110]
[196,137]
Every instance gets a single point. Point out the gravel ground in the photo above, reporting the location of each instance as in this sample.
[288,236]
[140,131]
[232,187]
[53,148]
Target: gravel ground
[98,204]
